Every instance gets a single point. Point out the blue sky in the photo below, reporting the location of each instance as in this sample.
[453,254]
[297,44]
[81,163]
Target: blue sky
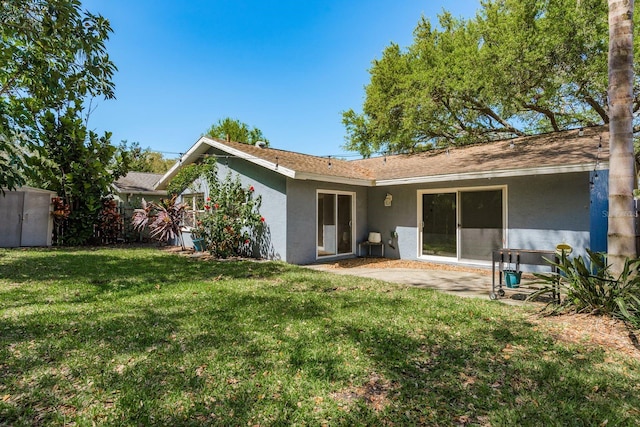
[287,67]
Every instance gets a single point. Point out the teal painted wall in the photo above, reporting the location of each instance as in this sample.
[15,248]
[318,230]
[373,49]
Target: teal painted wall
[599,182]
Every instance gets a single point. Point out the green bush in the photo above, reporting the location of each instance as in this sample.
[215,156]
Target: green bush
[589,286]
[231,222]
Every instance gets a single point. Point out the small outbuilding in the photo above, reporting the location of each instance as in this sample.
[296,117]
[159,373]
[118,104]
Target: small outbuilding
[26,217]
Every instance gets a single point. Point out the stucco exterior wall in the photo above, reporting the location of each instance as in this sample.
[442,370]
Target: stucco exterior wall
[547,210]
[302,217]
[272,188]
[542,211]
[400,218]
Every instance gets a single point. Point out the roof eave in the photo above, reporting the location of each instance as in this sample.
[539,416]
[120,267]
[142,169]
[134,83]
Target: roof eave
[189,157]
[151,193]
[505,173]
[335,179]
[143,192]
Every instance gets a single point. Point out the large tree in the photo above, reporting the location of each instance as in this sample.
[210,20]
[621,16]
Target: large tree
[53,57]
[80,167]
[54,61]
[235,130]
[144,159]
[518,67]
[622,104]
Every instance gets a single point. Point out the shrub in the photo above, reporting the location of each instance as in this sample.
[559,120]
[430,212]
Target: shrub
[588,285]
[231,221]
[110,222]
[184,178]
[163,219]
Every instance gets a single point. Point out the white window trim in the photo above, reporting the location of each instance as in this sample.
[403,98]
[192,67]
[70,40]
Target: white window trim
[193,212]
[353,223]
[457,191]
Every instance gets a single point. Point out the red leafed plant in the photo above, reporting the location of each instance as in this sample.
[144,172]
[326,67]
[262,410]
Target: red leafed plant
[163,219]
[61,210]
[110,222]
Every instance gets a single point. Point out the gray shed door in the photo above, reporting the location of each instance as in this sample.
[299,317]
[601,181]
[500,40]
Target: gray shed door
[35,220]
[11,219]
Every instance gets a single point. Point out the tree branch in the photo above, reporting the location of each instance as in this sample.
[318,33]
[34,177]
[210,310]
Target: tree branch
[597,107]
[447,105]
[487,111]
[545,112]
[6,88]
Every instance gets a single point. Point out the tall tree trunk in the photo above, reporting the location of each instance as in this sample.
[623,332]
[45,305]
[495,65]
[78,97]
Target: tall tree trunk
[621,238]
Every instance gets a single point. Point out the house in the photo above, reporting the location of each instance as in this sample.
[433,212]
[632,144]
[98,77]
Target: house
[452,205]
[129,190]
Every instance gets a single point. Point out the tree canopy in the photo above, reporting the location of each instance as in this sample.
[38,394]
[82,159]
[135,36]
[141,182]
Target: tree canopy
[518,67]
[144,159]
[80,167]
[235,130]
[53,58]
[54,61]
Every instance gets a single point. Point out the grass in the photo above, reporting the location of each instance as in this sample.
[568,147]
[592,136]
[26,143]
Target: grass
[144,337]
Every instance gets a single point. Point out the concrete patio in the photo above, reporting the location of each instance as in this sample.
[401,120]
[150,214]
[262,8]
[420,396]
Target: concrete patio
[472,284]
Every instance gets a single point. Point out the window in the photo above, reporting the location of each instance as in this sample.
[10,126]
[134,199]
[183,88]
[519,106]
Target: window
[196,203]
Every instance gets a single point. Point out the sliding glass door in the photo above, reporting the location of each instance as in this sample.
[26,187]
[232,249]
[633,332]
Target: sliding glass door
[481,227]
[463,224]
[335,223]
[439,224]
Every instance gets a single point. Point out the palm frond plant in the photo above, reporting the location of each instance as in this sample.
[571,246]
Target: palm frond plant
[163,219]
[588,286]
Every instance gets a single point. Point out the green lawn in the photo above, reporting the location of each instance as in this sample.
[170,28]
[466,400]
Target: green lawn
[145,337]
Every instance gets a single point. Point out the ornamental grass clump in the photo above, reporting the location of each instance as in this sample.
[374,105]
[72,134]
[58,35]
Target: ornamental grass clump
[589,286]
[231,222]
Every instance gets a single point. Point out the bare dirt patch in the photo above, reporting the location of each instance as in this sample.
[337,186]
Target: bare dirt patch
[399,263]
[205,256]
[375,393]
[591,331]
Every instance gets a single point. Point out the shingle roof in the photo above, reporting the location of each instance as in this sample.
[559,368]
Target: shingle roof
[548,153]
[139,183]
[303,163]
[558,149]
